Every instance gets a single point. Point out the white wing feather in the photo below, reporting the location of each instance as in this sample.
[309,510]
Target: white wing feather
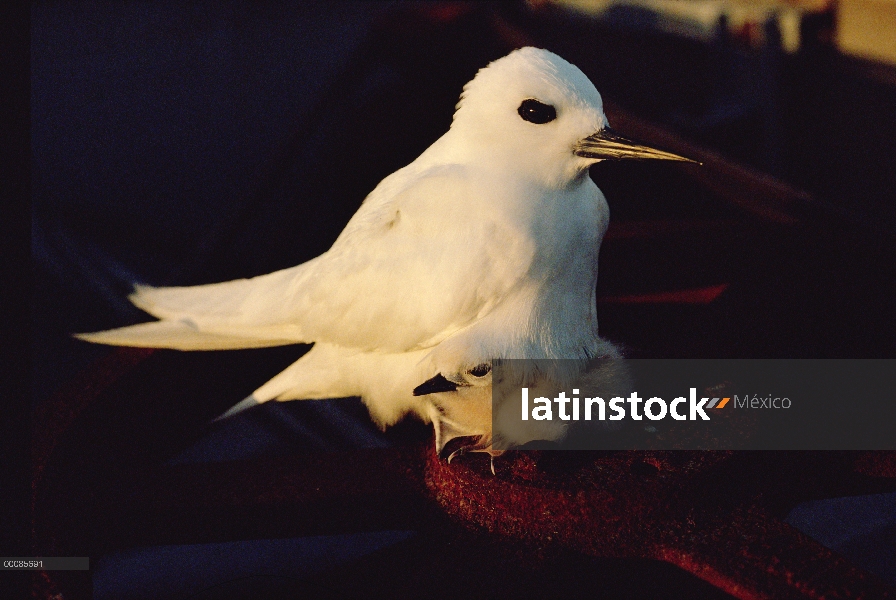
[177,335]
[409,270]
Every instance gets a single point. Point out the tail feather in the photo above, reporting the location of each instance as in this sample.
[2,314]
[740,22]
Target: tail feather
[258,301]
[179,335]
[243,313]
[241,406]
[216,301]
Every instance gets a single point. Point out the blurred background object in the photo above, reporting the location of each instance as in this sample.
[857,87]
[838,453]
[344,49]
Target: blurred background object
[700,19]
[867,29]
[185,143]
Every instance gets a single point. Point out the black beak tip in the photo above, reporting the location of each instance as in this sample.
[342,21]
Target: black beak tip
[434,385]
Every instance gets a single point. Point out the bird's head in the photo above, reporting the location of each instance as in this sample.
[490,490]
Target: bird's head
[535,113]
[480,408]
[460,407]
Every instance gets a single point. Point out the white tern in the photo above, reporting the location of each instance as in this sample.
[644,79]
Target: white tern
[483,247]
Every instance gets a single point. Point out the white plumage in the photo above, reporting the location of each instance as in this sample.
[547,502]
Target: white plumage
[484,247]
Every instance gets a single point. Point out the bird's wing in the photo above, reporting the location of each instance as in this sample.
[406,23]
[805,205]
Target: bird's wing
[218,316]
[411,267]
[179,335]
[414,266]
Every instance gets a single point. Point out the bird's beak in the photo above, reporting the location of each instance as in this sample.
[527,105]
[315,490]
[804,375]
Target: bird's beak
[606,144]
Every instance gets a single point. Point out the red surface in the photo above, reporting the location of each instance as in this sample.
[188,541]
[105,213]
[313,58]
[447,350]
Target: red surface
[614,507]
[695,296]
[708,513]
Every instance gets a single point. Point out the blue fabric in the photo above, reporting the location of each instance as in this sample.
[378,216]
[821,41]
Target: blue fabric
[175,572]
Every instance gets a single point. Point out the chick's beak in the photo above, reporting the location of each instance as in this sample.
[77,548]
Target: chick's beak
[606,144]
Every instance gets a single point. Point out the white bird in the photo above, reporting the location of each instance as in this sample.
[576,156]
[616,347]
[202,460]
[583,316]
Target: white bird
[483,247]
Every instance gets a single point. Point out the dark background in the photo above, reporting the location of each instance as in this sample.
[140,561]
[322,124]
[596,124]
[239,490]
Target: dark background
[187,143]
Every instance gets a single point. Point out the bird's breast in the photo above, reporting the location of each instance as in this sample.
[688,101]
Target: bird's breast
[550,311]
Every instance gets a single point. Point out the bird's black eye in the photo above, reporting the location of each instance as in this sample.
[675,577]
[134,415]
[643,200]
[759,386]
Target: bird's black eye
[480,370]
[536,112]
